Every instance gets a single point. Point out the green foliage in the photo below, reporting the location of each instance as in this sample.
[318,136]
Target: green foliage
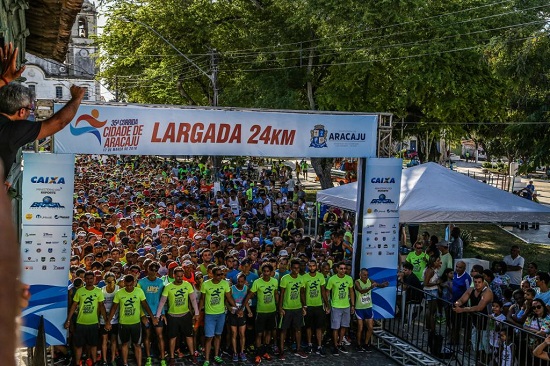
[466,236]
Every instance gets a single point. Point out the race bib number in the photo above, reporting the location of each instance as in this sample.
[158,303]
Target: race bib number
[268,298]
[365,299]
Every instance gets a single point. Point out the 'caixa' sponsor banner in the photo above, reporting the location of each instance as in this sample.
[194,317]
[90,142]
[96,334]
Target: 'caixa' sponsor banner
[48,185]
[380,244]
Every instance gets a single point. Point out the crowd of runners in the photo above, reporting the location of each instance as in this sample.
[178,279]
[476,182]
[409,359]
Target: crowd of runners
[164,264]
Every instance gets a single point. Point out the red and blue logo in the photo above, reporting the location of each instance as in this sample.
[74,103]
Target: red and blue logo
[93,122]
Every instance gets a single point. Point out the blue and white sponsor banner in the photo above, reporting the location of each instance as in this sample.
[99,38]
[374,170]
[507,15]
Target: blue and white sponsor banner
[48,184]
[48,189]
[143,130]
[380,247]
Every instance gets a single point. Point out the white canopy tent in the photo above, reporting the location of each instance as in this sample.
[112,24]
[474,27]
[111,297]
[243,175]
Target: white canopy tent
[432,193]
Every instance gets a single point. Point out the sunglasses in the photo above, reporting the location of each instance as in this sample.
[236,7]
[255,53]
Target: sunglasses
[538,307]
[342,268]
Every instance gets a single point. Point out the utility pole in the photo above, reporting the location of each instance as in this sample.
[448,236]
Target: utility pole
[214,58]
[116,88]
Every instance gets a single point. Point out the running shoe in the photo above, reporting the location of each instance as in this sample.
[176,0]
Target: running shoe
[148,361]
[218,360]
[206,363]
[266,356]
[321,351]
[367,348]
[242,357]
[257,360]
[282,356]
[346,341]
[335,351]
[235,357]
[342,349]
[300,354]
[163,362]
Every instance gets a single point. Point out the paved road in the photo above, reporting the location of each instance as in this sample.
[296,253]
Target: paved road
[351,359]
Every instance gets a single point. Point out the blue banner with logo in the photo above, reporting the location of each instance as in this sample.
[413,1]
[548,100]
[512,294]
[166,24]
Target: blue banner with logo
[47,213]
[380,247]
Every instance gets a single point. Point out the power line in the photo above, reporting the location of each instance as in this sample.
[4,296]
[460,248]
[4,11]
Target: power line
[379,59]
[382,47]
[445,26]
[503,123]
[379,28]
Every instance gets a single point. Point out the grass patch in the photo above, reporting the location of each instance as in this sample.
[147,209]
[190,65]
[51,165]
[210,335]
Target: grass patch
[491,243]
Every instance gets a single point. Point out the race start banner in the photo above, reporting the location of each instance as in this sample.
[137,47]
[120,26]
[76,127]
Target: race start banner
[145,130]
[380,247]
[47,213]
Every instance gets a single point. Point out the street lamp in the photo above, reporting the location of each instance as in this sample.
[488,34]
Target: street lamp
[213,77]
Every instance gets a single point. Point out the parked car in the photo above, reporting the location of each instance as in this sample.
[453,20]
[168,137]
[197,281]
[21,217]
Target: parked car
[409,154]
[454,157]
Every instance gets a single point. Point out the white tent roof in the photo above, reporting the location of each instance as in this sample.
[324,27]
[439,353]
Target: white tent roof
[432,193]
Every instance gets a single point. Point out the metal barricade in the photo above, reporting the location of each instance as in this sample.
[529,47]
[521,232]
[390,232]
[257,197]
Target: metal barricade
[460,339]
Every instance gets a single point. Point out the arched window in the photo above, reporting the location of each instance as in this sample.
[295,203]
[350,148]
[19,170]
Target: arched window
[82,27]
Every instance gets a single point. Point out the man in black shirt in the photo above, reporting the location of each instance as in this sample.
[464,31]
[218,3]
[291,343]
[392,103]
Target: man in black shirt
[16,104]
[411,284]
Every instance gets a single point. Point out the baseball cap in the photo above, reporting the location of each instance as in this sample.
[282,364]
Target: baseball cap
[283,253]
[172,265]
[443,243]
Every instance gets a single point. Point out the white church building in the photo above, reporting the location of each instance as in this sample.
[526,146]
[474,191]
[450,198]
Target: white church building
[52,80]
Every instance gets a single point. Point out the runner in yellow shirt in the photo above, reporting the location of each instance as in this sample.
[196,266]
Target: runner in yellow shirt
[129,301]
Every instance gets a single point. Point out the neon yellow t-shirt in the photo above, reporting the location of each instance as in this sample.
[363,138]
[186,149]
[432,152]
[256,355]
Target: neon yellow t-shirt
[292,286]
[419,263]
[88,305]
[265,293]
[214,294]
[313,288]
[340,298]
[178,296]
[130,305]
